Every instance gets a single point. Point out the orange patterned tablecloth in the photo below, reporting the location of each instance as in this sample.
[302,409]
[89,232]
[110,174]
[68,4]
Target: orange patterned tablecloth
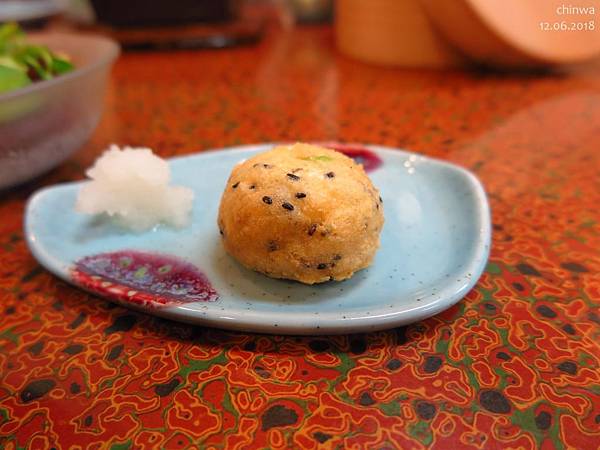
[516,364]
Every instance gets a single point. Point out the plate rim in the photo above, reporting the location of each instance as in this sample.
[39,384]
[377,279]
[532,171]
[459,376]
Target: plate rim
[280,322]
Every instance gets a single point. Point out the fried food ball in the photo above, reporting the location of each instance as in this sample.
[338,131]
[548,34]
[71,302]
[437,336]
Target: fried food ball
[301,212]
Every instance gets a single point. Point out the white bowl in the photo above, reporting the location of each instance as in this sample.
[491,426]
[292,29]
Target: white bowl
[44,123]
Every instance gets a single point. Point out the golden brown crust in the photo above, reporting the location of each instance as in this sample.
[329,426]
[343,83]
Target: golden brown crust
[301,212]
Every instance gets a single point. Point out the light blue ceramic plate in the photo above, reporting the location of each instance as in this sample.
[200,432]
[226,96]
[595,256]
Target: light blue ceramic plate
[434,247]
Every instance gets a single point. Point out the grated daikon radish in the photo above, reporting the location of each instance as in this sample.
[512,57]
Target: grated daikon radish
[131,185]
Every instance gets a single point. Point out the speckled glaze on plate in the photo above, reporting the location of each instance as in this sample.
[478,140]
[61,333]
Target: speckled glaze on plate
[434,247]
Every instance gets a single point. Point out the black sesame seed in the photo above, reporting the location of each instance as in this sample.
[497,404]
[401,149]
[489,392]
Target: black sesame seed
[322,266]
[288,206]
[380,199]
[252,187]
[267,200]
[337,257]
[293,177]
[312,229]
[272,246]
[300,195]
[235,185]
[330,174]
[221,232]
[267,166]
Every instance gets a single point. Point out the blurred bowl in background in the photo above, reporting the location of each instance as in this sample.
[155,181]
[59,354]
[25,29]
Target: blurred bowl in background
[29,11]
[391,32]
[439,33]
[517,33]
[44,123]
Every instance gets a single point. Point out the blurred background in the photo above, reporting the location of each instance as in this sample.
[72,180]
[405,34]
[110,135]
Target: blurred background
[410,33]
[196,74]
[160,24]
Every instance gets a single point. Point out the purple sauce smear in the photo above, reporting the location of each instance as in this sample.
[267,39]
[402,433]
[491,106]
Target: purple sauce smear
[360,154]
[143,278]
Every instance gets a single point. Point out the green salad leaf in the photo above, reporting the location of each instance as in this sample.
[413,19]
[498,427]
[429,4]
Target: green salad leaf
[11,78]
[61,65]
[22,63]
